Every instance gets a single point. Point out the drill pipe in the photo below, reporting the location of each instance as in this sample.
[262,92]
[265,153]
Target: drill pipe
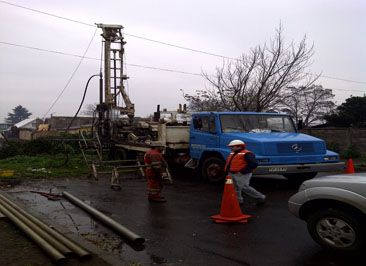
[49,249]
[56,244]
[123,231]
[81,252]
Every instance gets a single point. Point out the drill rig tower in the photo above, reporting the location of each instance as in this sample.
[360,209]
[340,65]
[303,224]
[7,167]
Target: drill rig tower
[113,117]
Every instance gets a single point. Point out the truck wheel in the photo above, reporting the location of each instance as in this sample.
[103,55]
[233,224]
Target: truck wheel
[213,170]
[120,154]
[300,177]
[337,229]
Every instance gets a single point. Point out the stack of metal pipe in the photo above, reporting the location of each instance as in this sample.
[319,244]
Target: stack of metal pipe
[54,244]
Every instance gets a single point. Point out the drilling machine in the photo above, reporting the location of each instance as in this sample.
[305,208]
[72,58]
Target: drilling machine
[114,120]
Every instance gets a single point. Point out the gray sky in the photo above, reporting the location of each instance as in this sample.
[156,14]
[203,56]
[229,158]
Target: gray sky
[34,78]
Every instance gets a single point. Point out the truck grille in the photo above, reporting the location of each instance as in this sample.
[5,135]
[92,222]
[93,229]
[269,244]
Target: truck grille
[295,148]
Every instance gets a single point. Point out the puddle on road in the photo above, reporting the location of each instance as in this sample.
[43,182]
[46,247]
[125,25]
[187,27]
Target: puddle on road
[74,219]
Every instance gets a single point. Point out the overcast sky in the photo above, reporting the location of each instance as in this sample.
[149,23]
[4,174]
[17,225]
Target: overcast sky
[34,78]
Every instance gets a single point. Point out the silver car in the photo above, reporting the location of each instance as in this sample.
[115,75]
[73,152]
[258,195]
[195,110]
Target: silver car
[334,208]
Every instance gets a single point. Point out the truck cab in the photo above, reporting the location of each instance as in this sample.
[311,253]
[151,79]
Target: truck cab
[272,137]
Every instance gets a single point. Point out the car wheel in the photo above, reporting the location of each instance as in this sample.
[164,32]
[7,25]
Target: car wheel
[337,230]
[213,169]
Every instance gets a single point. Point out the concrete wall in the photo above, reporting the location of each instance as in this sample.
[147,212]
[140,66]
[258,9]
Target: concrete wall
[343,137]
[62,122]
[25,134]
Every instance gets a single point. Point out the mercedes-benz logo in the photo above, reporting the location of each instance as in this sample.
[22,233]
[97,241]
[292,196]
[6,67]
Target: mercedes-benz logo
[296,147]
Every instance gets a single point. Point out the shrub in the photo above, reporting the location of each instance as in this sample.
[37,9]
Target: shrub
[36,147]
[333,146]
[351,152]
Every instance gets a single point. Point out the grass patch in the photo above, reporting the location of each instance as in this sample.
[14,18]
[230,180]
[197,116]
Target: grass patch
[42,166]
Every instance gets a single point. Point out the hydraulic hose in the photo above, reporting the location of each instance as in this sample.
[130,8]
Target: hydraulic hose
[66,153]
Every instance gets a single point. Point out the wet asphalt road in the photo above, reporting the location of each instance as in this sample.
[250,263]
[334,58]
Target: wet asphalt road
[180,231]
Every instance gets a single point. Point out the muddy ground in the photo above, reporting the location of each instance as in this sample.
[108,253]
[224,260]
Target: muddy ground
[179,232]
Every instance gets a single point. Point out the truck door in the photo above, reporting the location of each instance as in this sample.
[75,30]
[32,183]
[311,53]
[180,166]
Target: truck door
[203,135]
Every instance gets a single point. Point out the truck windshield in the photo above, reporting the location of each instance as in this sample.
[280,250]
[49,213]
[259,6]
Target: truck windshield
[256,123]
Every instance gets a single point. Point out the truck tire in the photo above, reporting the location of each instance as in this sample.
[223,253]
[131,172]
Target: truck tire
[213,169]
[120,154]
[300,177]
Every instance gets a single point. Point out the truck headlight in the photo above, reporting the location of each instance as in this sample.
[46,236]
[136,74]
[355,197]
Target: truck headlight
[330,158]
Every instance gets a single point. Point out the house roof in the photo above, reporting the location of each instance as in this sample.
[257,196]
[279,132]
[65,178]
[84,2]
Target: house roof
[24,122]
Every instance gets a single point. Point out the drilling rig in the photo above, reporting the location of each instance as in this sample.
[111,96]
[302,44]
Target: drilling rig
[117,127]
[114,120]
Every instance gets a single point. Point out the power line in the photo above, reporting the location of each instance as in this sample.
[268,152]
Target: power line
[46,13]
[184,48]
[347,80]
[159,42]
[46,50]
[97,59]
[132,35]
[133,65]
[72,75]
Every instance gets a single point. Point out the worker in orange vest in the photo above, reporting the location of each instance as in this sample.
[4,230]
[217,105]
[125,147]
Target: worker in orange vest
[155,170]
[240,165]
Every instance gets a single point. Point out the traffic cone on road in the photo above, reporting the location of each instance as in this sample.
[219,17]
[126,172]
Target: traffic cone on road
[350,168]
[230,210]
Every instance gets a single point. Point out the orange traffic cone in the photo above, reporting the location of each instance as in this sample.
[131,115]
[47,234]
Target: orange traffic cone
[230,210]
[350,168]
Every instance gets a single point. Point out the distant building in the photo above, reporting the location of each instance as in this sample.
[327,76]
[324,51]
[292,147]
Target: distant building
[60,123]
[26,128]
[5,126]
[29,123]
[56,125]
[23,130]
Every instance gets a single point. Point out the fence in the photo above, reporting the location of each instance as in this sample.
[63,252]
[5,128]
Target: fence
[339,137]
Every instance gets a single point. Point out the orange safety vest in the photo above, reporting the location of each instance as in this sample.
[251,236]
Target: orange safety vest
[237,163]
[154,161]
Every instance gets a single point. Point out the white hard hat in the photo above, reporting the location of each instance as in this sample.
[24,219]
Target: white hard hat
[236,142]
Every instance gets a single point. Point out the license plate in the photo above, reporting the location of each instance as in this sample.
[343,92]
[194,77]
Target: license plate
[277,169]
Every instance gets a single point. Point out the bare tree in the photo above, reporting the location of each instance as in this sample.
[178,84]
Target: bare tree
[308,104]
[89,109]
[204,100]
[256,81]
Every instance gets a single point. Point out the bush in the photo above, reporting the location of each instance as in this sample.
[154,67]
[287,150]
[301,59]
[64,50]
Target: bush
[351,152]
[333,146]
[36,147]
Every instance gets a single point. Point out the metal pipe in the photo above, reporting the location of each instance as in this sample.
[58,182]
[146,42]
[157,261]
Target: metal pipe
[56,244]
[100,88]
[123,231]
[63,239]
[49,249]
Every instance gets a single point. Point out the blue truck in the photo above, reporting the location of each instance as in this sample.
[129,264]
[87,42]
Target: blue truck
[201,144]
[273,137]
